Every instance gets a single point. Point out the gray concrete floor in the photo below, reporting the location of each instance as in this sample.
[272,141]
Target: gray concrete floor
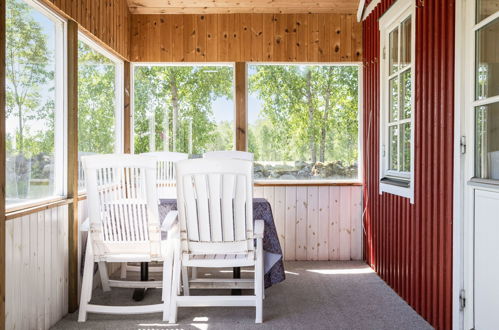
[315,295]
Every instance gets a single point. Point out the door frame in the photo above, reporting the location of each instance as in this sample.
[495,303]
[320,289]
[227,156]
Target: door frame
[464,165]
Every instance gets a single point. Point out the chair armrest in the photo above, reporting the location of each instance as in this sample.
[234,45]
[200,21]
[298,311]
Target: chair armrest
[85,226]
[169,220]
[259,227]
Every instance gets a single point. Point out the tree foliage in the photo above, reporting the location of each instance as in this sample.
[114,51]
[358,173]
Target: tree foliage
[309,113]
[175,103]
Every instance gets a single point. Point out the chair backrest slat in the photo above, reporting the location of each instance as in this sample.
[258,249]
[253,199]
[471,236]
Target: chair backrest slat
[123,203]
[215,205]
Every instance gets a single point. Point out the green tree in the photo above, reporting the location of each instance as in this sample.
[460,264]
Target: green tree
[27,74]
[175,103]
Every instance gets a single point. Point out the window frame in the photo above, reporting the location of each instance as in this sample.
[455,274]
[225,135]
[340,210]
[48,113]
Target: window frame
[360,136]
[395,182]
[134,65]
[60,114]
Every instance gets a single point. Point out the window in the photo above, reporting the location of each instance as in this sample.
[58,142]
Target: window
[397,105]
[99,102]
[34,103]
[486,103]
[303,121]
[183,108]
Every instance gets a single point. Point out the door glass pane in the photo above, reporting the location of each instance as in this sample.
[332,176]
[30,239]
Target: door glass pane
[487,61]
[31,104]
[405,145]
[405,90]
[487,141]
[393,136]
[405,43]
[393,50]
[394,99]
[485,8]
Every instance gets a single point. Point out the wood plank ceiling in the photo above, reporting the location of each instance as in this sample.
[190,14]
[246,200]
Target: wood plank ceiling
[241,6]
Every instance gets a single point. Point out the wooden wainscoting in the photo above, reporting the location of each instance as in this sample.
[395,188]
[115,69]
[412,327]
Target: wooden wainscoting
[37,269]
[317,222]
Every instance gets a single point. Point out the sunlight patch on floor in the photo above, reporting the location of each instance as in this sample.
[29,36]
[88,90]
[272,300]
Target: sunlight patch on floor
[348,271]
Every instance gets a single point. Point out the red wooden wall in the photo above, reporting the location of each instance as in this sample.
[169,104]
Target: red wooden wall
[410,245]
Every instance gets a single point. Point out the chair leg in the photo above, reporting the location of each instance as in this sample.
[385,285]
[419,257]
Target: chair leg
[175,284]
[86,288]
[167,284]
[123,270]
[104,277]
[259,281]
[185,281]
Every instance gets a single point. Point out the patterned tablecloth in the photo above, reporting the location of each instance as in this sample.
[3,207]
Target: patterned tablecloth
[273,264]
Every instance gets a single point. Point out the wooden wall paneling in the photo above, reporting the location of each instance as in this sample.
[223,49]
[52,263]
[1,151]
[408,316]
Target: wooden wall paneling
[323,227]
[312,223]
[212,37]
[313,38]
[256,37]
[344,243]
[155,34]
[301,43]
[200,38]
[324,25]
[72,160]
[290,224]
[268,37]
[335,38]
[356,224]
[234,51]
[127,115]
[279,211]
[2,167]
[245,35]
[223,37]
[280,37]
[177,38]
[291,30]
[189,38]
[301,223]
[334,223]
[241,105]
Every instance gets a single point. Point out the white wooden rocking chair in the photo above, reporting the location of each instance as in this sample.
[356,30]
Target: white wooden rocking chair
[167,188]
[124,227]
[215,207]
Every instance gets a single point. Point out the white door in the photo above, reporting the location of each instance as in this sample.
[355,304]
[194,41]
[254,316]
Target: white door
[481,164]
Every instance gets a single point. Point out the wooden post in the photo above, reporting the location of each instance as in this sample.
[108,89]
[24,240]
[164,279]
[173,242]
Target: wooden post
[241,106]
[72,186]
[2,165]
[127,116]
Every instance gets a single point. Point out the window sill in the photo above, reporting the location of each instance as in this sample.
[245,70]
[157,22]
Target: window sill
[263,183]
[26,209]
[400,188]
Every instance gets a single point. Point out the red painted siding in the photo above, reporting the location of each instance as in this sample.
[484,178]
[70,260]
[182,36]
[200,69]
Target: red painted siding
[410,245]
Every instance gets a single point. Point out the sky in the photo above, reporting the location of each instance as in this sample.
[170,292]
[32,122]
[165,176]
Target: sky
[223,109]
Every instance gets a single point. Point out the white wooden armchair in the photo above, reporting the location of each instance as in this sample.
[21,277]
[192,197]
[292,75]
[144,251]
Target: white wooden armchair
[124,227]
[215,212]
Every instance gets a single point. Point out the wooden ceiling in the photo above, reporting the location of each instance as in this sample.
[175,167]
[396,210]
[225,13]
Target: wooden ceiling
[241,6]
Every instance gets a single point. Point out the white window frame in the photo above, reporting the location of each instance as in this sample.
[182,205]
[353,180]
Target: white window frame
[61,101]
[119,87]
[398,13]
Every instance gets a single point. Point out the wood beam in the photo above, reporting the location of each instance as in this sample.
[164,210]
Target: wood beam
[241,106]
[72,151]
[2,164]
[127,115]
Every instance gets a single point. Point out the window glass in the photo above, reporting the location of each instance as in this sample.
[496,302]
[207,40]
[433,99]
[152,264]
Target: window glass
[487,61]
[96,104]
[394,99]
[394,50]
[303,121]
[405,43]
[487,141]
[485,8]
[33,104]
[406,90]
[186,109]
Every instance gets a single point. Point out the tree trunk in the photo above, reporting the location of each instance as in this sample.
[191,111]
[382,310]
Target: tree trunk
[20,141]
[327,101]
[313,151]
[175,105]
